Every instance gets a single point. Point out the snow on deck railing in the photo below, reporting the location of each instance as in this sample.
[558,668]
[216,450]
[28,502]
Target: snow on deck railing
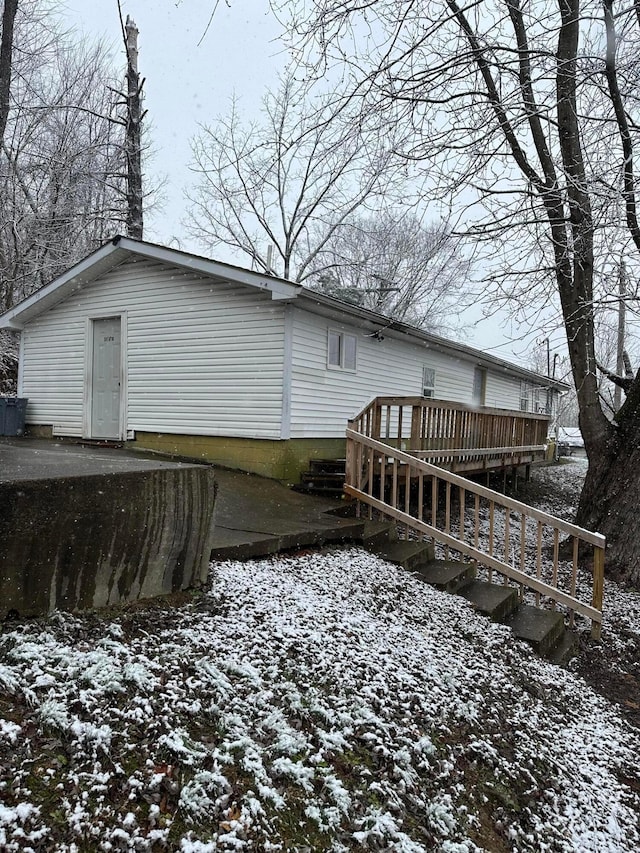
[500,534]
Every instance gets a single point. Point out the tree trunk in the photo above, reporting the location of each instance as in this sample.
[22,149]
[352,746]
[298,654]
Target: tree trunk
[620,367]
[6,53]
[609,504]
[133,145]
[611,495]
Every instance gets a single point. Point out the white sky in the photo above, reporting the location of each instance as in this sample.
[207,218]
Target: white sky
[191,74]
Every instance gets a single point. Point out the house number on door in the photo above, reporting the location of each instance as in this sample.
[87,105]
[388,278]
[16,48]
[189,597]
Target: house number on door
[109,338]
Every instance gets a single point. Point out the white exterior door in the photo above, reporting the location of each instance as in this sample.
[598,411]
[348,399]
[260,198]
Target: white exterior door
[105,378]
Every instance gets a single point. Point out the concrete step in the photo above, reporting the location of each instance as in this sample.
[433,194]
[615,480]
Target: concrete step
[409,555]
[244,545]
[491,599]
[565,649]
[542,629]
[448,575]
[378,533]
[348,508]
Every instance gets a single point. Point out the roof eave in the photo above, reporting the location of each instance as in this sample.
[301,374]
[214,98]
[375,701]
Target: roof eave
[397,329]
[118,250]
[94,265]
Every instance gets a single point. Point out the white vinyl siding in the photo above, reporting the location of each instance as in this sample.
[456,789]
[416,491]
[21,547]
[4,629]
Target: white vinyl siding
[323,400]
[504,392]
[204,358]
[53,374]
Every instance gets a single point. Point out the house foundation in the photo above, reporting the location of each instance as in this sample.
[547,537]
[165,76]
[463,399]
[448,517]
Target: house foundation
[279,460]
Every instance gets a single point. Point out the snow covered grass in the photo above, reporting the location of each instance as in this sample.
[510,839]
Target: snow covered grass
[317,702]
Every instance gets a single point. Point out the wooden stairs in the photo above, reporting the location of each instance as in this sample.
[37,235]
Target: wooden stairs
[325,477]
[544,630]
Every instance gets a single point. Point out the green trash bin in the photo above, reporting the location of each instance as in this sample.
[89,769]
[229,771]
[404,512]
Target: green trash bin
[12,414]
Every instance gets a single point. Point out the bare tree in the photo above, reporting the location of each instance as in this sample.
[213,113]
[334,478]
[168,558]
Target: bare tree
[277,191]
[62,176]
[526,114]
[389,262]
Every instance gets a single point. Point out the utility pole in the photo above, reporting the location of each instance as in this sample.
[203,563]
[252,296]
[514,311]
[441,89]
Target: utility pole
[620,368]
[133,132]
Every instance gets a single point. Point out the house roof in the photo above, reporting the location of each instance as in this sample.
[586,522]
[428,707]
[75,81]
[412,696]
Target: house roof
[120,249]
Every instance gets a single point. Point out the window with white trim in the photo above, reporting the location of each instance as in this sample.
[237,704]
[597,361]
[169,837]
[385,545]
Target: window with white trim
[531,397]
[428,382]
[341,350]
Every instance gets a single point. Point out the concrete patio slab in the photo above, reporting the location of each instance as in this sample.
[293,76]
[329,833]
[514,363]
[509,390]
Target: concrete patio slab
[254,516]
[40,459]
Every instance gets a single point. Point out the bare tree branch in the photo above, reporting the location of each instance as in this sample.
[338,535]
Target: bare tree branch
[290,181]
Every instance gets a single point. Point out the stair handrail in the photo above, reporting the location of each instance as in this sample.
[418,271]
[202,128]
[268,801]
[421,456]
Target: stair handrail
[359,481]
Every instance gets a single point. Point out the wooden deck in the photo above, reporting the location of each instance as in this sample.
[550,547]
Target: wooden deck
[453,436]
[400,452]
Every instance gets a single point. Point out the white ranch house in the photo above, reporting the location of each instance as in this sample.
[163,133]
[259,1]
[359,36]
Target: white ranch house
[179,353]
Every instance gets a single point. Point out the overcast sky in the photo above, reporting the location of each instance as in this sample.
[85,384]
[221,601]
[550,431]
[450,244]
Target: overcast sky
[193,66]
[191,73]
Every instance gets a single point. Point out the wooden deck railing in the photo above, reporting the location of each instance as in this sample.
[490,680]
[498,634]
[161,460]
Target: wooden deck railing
[455,436]
[502,535]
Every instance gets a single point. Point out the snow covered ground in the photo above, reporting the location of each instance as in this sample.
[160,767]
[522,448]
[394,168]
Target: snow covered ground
[316,702]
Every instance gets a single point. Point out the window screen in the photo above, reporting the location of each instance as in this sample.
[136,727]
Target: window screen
[428,382]
[334,349]
[341,351]
[349,352]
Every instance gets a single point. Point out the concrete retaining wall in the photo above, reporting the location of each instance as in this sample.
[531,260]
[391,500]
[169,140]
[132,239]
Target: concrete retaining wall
[81,542]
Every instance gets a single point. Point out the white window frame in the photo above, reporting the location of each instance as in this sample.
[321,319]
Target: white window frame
[341,364]
[428,388]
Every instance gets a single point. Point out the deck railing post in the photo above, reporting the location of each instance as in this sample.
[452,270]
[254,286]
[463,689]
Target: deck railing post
[376,431]
[350,458]
[598,589]
[416,420]
[457,428]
